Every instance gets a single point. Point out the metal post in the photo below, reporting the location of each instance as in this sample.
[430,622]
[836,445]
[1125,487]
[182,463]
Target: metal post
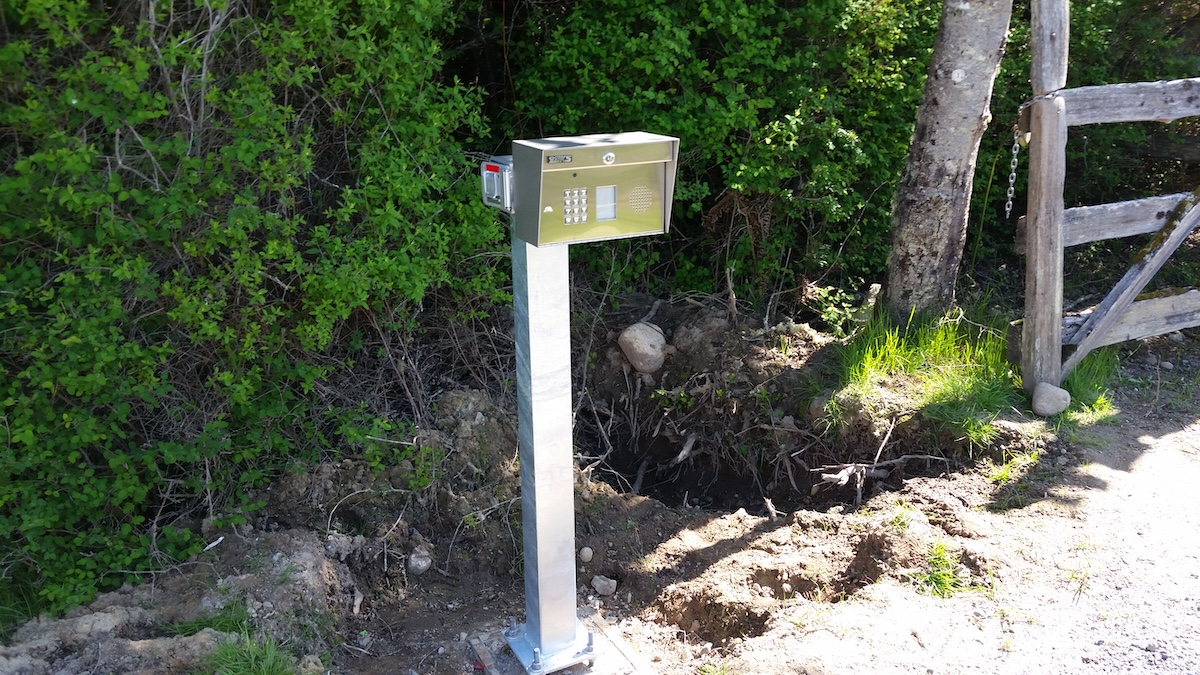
[551,637]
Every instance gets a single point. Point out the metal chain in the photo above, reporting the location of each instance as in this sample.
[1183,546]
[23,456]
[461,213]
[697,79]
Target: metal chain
[1012,173]
[1016,149]
[1040,97]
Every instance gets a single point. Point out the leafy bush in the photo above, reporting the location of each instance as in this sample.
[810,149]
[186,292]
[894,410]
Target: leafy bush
[200,201]
[794,118]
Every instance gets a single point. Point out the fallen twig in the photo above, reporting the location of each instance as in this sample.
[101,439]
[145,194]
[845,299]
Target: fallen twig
[686,451]
[772,513]
[840,474]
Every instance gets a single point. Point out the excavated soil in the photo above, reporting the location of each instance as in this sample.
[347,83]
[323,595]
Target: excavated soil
[1086,561]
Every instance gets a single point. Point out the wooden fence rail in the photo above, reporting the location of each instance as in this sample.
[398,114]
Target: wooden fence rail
[1047,337]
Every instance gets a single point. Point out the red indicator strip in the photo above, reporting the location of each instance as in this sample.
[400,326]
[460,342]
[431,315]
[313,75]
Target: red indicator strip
[494,168]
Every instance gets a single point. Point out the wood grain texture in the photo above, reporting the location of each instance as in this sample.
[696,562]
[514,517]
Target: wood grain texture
[1049,38]
[1107,314]
[1084,224]
[1041,339]
[1133,102]
[1155,316]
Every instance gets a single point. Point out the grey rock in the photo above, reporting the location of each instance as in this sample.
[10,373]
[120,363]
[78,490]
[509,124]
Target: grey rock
[1049,400]
[419,562]
[604,585]
[644,345]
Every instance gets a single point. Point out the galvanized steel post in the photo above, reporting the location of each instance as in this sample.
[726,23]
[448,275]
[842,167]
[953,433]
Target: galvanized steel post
[551,637]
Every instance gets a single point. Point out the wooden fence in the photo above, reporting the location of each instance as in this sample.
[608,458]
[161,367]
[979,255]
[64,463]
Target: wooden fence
[1051,344]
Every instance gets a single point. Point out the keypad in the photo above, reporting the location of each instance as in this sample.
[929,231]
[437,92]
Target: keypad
[575,206]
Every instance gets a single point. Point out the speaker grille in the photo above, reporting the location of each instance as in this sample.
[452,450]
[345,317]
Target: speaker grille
[641,199]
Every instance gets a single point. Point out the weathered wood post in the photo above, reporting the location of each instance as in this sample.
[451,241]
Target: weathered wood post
[1041,339]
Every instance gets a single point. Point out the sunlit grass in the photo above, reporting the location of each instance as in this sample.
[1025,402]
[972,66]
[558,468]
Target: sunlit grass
[940,577]
[958,368]
[1088,384]
[1013,467]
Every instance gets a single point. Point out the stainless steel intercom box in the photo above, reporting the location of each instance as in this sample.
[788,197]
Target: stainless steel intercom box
[575,189]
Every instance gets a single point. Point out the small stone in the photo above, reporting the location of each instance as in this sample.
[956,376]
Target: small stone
[644,345]
[586,554]
[1049,400]
[1167,365]
[604,585]
[419,562]
[1176,336]
[1151,359]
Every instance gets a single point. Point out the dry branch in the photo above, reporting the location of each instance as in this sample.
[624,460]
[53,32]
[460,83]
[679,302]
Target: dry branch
[840,474]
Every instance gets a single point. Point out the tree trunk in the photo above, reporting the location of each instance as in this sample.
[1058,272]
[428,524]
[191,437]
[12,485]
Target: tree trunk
[933,200]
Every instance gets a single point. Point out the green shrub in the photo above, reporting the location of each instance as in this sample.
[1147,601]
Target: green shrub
[794,118]
[198,204]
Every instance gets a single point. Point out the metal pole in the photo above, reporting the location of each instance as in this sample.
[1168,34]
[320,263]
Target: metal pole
[551,637]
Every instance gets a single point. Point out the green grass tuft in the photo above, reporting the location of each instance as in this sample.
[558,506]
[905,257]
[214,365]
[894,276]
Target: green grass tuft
[1088,381]
[247,656]
[1013,467]
[958,366]
[232,618]
[19,600]
[940,578]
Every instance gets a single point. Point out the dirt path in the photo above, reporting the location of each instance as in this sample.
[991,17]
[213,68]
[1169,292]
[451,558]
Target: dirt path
[1101,576]
[1098,573]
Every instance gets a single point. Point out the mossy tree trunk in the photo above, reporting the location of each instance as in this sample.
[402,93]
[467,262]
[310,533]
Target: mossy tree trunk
[929,215]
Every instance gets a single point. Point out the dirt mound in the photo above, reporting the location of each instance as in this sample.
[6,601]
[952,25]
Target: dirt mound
[331,547]
[282,582]
[742,410]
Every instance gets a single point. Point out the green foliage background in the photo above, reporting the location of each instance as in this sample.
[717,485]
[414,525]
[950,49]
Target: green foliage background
[793,118]
[227,229]
[205,210]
